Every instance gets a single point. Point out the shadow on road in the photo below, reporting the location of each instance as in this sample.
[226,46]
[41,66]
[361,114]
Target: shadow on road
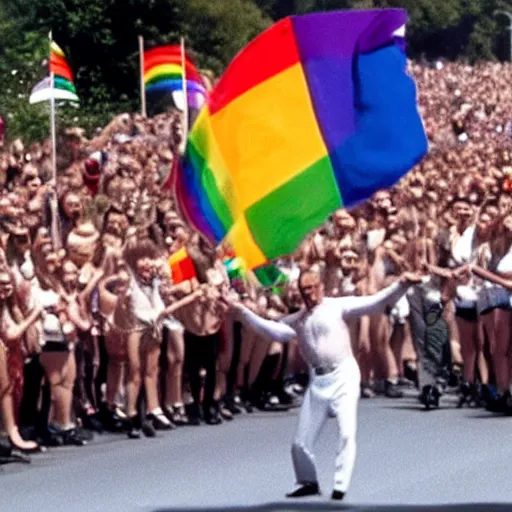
[292,507]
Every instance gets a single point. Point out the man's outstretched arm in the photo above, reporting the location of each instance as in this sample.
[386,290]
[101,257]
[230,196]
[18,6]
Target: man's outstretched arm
[275,331]
[354,307]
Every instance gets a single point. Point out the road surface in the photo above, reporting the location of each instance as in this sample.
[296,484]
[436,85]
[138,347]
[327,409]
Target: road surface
[405,457]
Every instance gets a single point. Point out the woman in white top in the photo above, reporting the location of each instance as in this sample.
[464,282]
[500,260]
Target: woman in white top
[467,238]
[147,314]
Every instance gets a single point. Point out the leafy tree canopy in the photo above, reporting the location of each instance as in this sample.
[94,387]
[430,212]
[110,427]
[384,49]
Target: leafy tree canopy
[99,38]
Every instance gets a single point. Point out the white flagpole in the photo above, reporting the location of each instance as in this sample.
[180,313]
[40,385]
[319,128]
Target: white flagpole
[142,87]
[185,98]
[55,220]
[52,120]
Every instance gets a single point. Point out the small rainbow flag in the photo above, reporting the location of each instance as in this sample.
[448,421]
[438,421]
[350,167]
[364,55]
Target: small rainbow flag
[163,73]
[235,268]
[316,113]
[182,268]
[63,84]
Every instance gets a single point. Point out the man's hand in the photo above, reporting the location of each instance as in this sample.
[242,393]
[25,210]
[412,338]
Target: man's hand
[411,278]
[231,299]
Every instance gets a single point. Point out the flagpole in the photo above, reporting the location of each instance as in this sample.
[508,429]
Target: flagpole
[52,119]
[142,87]
[53,128]
[185,97]
[55,221]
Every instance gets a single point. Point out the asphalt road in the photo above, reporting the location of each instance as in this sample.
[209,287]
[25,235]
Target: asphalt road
[405,457]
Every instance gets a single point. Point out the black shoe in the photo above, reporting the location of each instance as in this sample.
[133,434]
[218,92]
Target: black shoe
[464,394]
[233,404]
[52,437]
[430,397]
[271,403]
[477,395]
[233,408]
[92,422]
[310,489]
[194,421]
[148,429]
[411,374]
[193,414]
[133,428]
[15,456]
[36,449]
[392,390]
[9,454]
[507,400]
[71,437]
[160,421]
[225,413]
[288,399]
[455,376]
[7,457]
[212,417]
[337,495]
[177,415]
[493,401]
[113,421]
[74,437]
[367,391]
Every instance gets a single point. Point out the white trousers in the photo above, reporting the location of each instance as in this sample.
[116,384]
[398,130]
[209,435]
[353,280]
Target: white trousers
[336,393]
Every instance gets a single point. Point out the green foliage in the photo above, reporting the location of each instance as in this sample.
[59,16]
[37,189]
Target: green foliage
[467,29]
[219,30]
[99,38]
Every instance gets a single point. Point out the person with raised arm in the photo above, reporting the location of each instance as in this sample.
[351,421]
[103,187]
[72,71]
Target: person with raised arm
[324,340]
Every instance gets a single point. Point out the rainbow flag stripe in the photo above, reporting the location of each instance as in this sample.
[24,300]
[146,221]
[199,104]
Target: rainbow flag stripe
[315,114]
[63,76]
[163,72]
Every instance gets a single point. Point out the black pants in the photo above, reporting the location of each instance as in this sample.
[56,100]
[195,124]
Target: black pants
[201,352]
[84,390]
[33,376]
[430,336]
[233,371]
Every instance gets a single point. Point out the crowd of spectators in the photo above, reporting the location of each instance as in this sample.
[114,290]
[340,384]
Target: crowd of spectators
[95,336]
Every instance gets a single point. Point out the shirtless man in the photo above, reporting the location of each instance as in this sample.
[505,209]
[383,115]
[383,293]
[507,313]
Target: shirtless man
[202,320]
[323,337]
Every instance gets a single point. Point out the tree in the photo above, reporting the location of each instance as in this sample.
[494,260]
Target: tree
[219,30]
[99,38]
[438,28]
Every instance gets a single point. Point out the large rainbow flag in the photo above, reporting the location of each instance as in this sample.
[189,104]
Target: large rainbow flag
[316,113]
[163,73]
[63,83]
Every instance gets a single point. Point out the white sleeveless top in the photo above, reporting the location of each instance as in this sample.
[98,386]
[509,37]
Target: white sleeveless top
[464,251]
[493,295]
